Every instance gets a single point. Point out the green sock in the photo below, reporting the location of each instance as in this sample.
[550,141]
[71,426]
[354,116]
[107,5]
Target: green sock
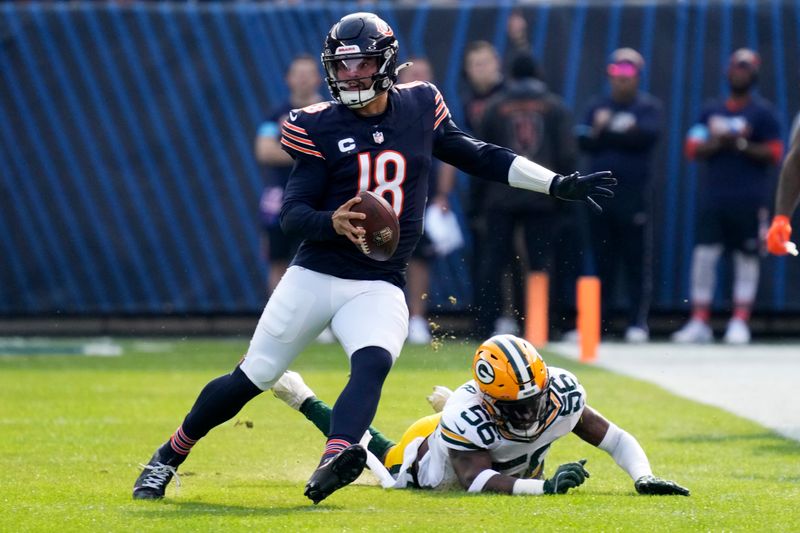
[379,444]
[319,413]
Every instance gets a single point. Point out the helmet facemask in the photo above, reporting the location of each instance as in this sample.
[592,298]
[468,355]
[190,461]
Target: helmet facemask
[376,83]
[520,419]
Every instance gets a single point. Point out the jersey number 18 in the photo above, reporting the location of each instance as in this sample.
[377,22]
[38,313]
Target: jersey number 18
[377,172]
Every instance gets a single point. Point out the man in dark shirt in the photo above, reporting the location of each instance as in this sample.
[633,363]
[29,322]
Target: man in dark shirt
[374,136]
[536,123]
[739,138]
[619,131]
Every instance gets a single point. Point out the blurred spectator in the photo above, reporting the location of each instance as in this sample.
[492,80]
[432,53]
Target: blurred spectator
[518,41]
[440,184]
[304,81]
[484,77]
[533,122]
[739,139]
[619,132]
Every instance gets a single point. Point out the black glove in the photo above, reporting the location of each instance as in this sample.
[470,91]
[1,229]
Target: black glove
[567,476]
[657,486]
[581,188]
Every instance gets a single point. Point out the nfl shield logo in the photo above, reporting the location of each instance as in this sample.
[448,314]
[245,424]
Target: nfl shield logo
[377,136]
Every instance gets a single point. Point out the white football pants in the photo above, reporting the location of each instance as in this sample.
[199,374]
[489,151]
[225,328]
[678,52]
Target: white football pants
[360,313]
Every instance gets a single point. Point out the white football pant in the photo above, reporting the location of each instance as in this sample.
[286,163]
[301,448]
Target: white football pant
[360,313]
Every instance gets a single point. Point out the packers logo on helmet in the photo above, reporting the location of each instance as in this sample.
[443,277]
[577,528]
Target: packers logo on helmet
[515,386]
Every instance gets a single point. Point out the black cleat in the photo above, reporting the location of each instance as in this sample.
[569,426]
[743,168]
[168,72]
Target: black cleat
[338,471]
[152,482]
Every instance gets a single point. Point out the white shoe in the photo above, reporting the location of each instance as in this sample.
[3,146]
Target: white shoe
[636,335]
[694,332]
[418,331]
[737,332]
[292,390]
[505,326]
[439,397]
[326,337]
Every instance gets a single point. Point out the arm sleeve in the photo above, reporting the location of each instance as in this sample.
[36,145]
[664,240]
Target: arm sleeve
[303,193]
[471,155]
[626,452]
[269,129]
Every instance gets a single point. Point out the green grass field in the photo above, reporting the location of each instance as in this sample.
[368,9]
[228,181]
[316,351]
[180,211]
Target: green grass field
[73,430]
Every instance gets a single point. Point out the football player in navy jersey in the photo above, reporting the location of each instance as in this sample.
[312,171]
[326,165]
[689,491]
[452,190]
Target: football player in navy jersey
[374,136]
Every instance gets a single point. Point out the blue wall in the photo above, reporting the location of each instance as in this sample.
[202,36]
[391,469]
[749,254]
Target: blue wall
[127,181]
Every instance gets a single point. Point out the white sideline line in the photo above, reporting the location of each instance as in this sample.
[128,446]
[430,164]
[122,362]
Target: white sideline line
[758,381]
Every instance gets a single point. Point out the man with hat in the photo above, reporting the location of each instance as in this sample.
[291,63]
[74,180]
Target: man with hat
[619,131]
[739,139]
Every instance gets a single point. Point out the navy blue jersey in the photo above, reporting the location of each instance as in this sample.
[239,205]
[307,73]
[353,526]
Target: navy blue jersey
[625,145]
[733,178]
[338,153]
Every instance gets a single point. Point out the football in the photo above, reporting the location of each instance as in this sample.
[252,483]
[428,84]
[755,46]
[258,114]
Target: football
[381,225]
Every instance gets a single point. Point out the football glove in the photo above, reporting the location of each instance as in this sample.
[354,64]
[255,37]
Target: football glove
[659,487]
[567,476]
[439,397]
[778,235]
[582,188]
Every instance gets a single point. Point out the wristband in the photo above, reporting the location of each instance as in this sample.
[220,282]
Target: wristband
[528,486]
[481,479]
[525,174]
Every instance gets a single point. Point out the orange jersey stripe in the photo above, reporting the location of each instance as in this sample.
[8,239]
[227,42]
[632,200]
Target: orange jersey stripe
[293,146]
[298,139]
[297,129]
[441,118]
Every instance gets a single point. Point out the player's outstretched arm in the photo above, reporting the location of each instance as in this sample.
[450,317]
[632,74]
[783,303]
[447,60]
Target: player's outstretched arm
[786,199]
[475,473]
[495,163]
[626,451]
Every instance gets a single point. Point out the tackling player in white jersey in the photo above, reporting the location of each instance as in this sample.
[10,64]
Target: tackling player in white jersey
[494,432]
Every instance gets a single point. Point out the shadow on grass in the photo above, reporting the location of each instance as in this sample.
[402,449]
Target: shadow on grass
[158,510]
